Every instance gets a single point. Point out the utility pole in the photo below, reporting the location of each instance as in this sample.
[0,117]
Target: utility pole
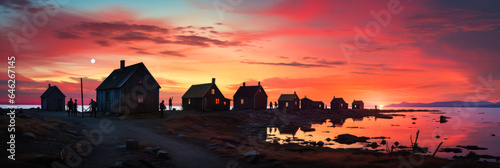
[81,88]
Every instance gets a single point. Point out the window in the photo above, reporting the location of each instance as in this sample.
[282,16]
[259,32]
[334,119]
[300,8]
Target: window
[355,106]
[224,103]
[260,90]
[242,101]
[213,91]
[141,99]
[295,102]
[217,101]
[189,101]
[140,81]
[286,104]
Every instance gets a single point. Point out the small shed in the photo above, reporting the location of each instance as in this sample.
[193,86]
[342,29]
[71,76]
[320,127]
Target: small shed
[129,89]
[53,99]
[306,103]
[338,104]
[250,97]
[358,104]
[318,105]
[288,102]
[205,97]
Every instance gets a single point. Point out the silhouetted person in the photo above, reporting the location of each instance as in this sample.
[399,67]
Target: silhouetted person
[170,103]
[162,107]
[93,105]
[270,105]
[275,105]
[75,104]
[70,106]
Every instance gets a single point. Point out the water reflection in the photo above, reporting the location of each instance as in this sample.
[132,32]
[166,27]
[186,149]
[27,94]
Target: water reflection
[449,128]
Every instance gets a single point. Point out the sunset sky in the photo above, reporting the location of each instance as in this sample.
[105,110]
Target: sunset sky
[427,51]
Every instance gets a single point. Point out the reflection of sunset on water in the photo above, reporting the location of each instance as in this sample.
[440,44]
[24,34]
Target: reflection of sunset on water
[457,131]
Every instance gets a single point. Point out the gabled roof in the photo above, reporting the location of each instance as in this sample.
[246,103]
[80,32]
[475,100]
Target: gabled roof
[287,97]
[50,90]
[318,102]
[197,91]
[119,76]
[305,98]
[247,91]
[357,101]
[339,99]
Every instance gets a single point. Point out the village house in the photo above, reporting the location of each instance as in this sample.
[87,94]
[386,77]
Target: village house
[205,97]
[288,102]
[338,104]
[129,89]
[358,104]
[306,103]
[318,105]
[250,97]
[53,99]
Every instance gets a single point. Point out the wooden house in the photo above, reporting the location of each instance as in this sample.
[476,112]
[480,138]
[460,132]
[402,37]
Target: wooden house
[205,97]
[53,99]
[358,104]
[288,102]
[250,97]
[318,105]
[306,103]
[338,104]
[129,89]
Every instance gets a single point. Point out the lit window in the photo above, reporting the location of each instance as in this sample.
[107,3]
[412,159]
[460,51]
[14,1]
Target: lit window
[140,81]
[141,99]
[213,91]
[260,90]
[286,105]
[242,101]
[224,103]
[189,101]
[355,106]
[217,101]
[295,102]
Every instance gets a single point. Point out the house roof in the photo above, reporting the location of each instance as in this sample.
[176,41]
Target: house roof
[305,98]
[287,97]
[357,101]
[197,91]
[338,99]
[318,102]
[50,90]
[119,76]
[247,91]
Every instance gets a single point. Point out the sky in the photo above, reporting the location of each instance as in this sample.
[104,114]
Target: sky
[381,52]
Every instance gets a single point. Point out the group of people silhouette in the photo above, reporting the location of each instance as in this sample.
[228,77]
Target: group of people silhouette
[271,105]
[72,108]
[163,107]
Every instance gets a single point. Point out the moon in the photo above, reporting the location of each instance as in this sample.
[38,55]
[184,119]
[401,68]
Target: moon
[92,60]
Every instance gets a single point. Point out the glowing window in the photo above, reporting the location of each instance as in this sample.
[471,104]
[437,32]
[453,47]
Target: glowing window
[286,104]
[260,90]
[213,91]
[295,102]
[140,81]
[189,101]
[224,103]
[217,101]
[355,106]
[242,101]
[140,99]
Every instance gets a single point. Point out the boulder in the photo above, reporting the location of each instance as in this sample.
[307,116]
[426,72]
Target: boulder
[181,136]
[252,156]
[161,154]
[29,135]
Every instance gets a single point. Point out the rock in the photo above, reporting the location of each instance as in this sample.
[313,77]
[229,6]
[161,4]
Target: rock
[39,156]
[383,142]
[109,114]
[149,150]
[156,149]
[320,143]
[132,144]
[413,118]
[437,136]
[181,136]
[349,139]
[121,146]
[29,135]
[252,156]
[161,154]
[373,145]
[118,163]
[396,143]
[328,139]
[72,132]
[447,150]
[229,146]
[492,134]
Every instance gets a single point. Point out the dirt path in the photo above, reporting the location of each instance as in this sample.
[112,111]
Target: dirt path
[183,154]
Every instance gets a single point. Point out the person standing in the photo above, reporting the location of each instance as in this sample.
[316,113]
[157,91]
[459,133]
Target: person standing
[93,105]
[170,103]
[275,105]
[70,106]
[270,105]
[75,104]
[162,107]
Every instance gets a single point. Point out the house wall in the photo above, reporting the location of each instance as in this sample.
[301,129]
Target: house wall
[248,103]
[196,104]
[211,104]
[291,104]
[140,85]
[306,104]
[261,100]
[112,104]
[53,102]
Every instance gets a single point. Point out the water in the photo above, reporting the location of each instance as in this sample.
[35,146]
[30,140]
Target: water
[467,126]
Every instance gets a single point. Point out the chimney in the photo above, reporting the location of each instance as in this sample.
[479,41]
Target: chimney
[243,84]
[294,92]
[49,85]
[259,83]
[122,64]
[213,80]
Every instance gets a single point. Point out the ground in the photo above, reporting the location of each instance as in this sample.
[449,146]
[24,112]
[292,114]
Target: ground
[192,139]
